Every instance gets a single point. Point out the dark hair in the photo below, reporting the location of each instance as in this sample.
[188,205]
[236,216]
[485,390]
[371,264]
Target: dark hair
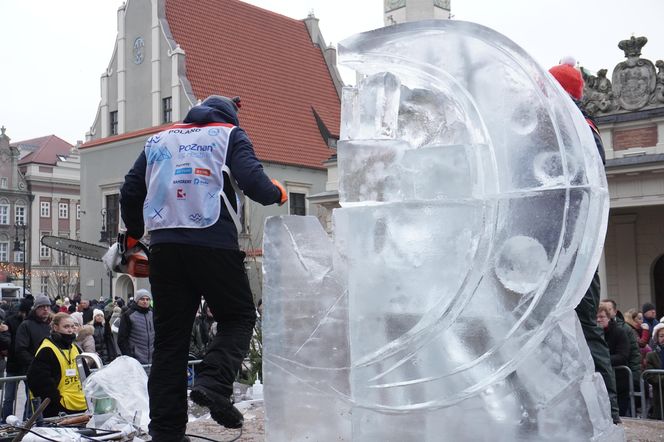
[612,302]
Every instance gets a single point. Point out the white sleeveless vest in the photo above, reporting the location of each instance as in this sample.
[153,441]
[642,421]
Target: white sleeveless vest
[184,176]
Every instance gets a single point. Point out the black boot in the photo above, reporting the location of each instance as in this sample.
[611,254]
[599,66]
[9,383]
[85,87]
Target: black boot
[221,407]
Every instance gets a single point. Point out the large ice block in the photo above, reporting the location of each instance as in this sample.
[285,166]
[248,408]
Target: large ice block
[474,208]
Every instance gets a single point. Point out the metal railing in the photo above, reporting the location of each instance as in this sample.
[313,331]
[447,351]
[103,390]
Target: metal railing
[19,395]
[632,404]
[644,398]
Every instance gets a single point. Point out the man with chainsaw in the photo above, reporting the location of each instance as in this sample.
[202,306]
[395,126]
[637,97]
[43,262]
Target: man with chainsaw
[184,189]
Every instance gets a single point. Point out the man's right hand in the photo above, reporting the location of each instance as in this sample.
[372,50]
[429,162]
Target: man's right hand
[126,242]
[284,194]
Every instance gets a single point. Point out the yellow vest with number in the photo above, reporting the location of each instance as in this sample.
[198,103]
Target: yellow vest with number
[71,391]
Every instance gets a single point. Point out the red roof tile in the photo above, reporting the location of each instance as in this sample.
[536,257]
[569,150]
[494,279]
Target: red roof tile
[125,136]
[45,150]
[234,48]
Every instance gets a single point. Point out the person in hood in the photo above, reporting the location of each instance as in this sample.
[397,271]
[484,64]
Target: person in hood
[53,373]
[184,189]
[104,341]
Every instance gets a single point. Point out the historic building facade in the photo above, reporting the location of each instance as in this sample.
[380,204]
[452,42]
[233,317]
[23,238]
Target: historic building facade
[39,195]
[51,169]
[14,215]
[161,67]
[629,109]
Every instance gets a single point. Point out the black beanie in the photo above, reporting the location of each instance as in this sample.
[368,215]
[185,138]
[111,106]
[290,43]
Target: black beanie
[647,307]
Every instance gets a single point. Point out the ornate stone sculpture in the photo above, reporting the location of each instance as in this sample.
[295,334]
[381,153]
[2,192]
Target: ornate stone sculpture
[635,85]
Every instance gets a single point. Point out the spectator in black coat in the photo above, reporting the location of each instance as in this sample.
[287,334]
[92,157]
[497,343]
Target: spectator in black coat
[13,366]
[104,342]
[32,332]
[84,307]
[619,348]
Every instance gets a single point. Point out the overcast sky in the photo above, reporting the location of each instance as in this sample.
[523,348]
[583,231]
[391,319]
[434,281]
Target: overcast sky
[53,52]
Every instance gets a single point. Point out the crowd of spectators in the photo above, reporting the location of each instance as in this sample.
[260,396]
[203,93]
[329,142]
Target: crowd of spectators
[636,344]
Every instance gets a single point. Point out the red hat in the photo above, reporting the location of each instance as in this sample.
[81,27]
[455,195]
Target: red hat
[569,77]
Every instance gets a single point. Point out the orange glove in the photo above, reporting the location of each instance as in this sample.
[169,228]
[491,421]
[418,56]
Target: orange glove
[284,195]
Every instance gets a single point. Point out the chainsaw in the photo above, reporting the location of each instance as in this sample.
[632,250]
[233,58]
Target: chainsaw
[133,261]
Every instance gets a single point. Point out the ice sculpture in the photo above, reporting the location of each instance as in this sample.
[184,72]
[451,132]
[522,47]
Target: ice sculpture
[474,207]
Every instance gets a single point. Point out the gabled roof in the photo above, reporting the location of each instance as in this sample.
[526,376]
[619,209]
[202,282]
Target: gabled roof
[234,48]
[43,150]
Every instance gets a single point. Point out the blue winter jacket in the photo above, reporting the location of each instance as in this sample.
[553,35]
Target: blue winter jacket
[240,159]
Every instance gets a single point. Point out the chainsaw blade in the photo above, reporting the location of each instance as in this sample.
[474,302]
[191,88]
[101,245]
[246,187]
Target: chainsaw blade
[74,247]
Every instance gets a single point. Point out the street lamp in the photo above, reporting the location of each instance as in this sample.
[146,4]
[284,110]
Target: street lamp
[17,247]
[105,237]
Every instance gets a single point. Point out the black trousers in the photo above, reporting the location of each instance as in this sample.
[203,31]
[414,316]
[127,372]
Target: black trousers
[179,275]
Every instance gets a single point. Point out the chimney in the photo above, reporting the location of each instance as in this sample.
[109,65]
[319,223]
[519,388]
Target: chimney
[312,26]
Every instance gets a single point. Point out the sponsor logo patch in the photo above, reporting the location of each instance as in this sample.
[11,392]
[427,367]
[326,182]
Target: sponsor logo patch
[196,217]
[204,172]
[159,154]
[201,182]
[213,131]
[196,147]
[185,131]
[184,155]
[154,138]
[181,194]
[183,171]
[181,181]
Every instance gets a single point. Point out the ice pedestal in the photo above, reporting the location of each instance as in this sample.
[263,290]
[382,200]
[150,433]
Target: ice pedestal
[474,206]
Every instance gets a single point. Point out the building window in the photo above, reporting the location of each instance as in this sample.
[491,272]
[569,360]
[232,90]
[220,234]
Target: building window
[62,259]
[19,215]
[112,216]
[44,252]
[4,182]
[4,251]
[114,123]
[297,204]
[78,211]
[4,213]
[44,284]
[45,209]
[63,210]
[18,256]
[167,107]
